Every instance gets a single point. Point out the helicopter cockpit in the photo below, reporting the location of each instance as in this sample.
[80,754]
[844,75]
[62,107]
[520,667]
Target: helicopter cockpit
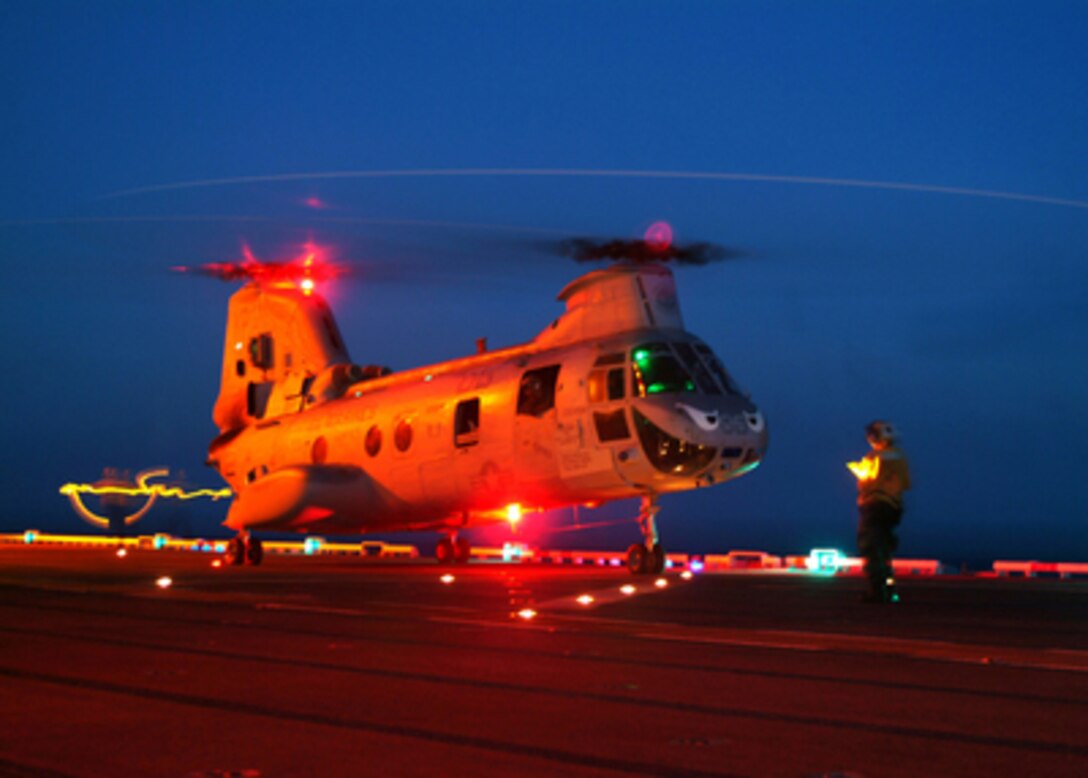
[687,411]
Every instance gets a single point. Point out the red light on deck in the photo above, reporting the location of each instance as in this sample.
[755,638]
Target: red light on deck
[658,236]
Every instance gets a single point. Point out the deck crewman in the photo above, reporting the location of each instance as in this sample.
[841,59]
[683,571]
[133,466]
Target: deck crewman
[882,475]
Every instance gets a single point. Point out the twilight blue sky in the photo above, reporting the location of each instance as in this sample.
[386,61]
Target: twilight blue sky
[958,316]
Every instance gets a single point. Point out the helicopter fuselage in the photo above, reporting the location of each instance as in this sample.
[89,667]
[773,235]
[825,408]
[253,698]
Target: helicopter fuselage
[459,443]
[614,400]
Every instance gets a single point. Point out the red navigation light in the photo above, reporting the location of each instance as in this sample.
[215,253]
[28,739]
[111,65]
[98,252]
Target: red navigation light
[658,237]
[305,271]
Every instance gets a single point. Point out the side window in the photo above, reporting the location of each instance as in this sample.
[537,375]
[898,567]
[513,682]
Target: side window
[402,435]
[536,393]
[466,423]
[597,386]
[257,396]
[616,384]
[606,385]
[373,441]
[260,351]
[611,426]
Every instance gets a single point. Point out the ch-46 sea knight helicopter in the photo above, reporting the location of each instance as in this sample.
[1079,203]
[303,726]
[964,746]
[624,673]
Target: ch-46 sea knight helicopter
[612,400]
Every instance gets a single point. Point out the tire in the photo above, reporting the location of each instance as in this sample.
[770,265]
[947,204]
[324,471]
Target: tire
[236,551]
[655,560]
[254,552]
[443,552]
[636,559]
[462,551]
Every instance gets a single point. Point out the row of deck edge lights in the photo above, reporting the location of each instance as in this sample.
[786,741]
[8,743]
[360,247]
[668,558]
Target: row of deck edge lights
[820,561]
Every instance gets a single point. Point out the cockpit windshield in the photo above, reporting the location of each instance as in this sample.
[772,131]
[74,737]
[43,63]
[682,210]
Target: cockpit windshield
[719,370]
[654,370]
[658,368]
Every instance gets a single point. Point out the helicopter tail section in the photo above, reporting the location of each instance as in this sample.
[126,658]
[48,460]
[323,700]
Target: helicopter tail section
[278,342]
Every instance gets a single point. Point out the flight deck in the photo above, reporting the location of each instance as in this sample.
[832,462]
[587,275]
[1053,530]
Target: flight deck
[164,663]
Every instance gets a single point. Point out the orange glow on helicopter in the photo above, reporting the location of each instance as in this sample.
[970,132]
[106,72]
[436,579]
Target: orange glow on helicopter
[866,469]
[513,513]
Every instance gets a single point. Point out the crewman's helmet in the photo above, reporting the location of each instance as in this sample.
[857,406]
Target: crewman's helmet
[881,432]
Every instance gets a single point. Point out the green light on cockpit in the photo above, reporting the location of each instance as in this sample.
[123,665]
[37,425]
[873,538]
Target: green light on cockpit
[641,356]
[655,388]
[689,386]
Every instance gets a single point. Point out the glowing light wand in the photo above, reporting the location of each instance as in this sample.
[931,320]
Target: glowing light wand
[74,492]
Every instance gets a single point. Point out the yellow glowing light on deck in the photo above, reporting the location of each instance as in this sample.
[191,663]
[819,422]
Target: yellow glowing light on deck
[865,469]
[217,563]
[627,589]
[447,579]
[687,575]
[513,513]
[165,582]
[121,552]
[73,492]
[585,599]
[661,583]
[307,285]
[527,614]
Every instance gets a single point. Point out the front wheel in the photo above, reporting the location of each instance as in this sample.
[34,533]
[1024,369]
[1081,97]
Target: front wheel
[655,560]
[636,559]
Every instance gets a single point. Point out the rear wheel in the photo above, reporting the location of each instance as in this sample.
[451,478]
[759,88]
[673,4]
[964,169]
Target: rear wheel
[236,551]
[443,552]
[461,550]
[254,552]
[636,558]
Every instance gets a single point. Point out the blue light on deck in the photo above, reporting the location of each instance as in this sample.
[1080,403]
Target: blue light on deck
[30,536]
[696,566]
[311,546]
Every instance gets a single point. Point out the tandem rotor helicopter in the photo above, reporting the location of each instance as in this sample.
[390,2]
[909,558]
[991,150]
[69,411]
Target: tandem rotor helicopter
[615,399]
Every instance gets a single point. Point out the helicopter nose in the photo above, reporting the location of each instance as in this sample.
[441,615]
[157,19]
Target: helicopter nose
[742,439]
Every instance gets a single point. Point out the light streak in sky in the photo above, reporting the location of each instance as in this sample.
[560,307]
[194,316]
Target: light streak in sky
[672,175]
[74,492]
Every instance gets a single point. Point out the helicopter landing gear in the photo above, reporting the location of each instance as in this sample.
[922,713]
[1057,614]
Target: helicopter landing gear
[648,557]
[244,549]
[452,550]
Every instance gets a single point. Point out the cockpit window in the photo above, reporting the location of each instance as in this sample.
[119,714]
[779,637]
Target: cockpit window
[691,361]
[718,369]
[655,370]
[668,454]
[536,393]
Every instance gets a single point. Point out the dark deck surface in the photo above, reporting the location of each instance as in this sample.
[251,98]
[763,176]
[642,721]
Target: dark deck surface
[348,666]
